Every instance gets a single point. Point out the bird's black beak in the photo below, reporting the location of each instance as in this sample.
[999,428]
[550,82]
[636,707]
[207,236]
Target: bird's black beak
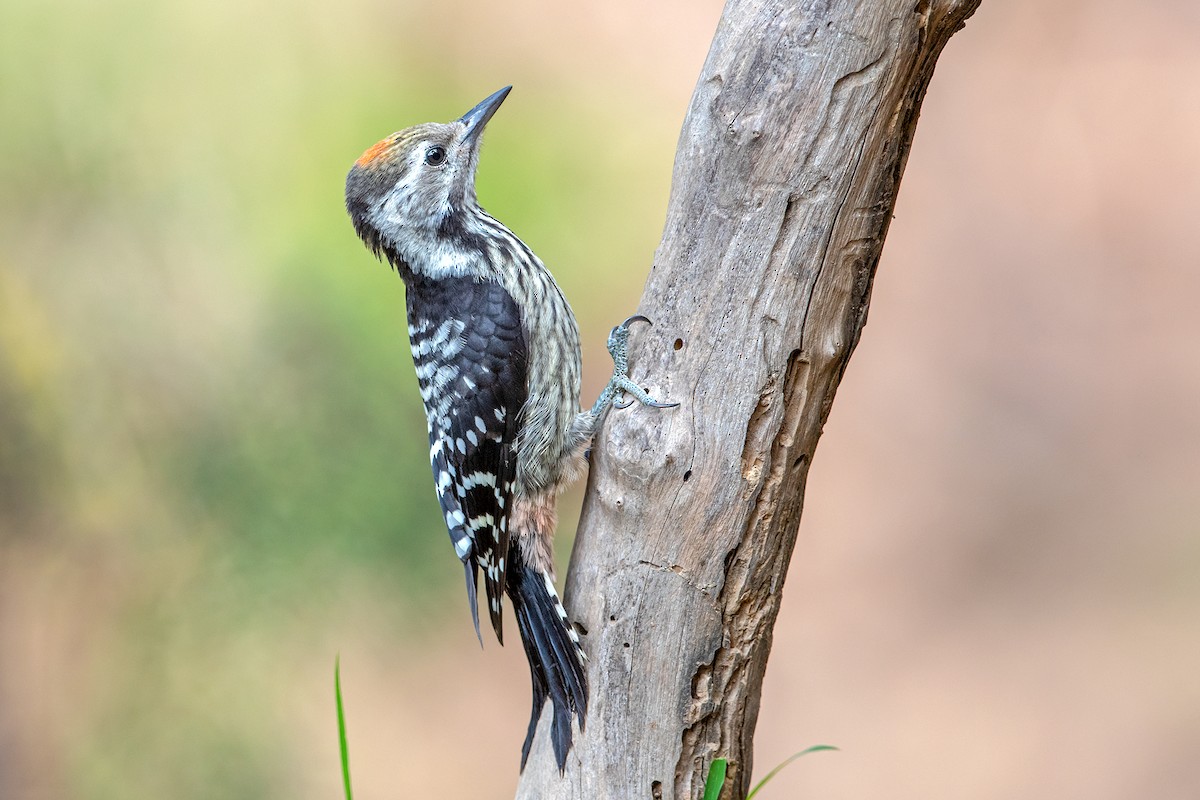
[478,117]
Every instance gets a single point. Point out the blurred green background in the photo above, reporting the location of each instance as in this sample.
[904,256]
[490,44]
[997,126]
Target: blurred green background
[212,476]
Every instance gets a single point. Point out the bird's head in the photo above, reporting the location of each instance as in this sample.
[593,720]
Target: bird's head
[409,185]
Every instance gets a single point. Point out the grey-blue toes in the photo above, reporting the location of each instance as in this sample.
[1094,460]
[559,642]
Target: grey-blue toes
[618,344]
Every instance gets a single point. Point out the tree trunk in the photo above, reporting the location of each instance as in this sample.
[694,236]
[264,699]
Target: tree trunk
[785,180]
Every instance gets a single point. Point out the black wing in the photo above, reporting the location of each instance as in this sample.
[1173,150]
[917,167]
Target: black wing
[470,355]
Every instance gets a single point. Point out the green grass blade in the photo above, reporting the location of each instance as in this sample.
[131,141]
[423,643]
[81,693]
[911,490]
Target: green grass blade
[816,748]
[337,688]
[716,779]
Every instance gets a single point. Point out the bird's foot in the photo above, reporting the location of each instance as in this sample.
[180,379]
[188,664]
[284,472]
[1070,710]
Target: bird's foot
[621,384]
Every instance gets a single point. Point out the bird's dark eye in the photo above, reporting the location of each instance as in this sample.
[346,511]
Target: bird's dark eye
[435,156]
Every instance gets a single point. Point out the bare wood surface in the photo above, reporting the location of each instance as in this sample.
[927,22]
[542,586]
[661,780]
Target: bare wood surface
[785,179]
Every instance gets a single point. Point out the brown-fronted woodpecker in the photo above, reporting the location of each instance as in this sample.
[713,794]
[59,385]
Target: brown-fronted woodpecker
[496,350]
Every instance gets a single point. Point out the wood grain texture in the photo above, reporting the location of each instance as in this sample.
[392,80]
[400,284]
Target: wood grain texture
[785,179]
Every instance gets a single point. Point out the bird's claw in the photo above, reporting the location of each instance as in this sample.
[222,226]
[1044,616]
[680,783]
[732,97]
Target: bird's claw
[619,336]
[630,392]
[650,403]
[620,385]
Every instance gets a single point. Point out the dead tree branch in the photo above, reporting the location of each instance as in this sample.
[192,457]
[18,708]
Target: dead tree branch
[785,179]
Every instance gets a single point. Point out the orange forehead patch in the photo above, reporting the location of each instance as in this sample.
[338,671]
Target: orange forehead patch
[376,150]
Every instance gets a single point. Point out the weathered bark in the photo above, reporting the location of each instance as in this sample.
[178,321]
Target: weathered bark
[785,180]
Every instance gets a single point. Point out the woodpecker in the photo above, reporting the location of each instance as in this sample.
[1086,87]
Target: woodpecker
[496,350]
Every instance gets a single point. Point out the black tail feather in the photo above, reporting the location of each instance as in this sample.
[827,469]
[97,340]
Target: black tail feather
[574,676]
[539,687]
[555,661]
[552,684]
[472,581]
